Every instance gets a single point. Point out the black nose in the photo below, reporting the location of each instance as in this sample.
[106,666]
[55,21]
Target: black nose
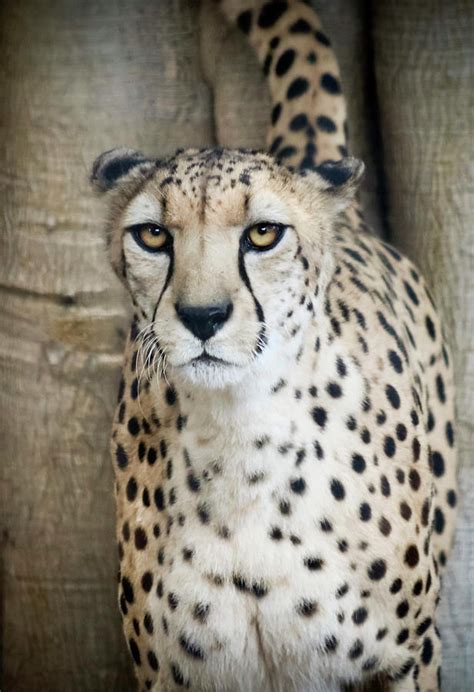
[204,321]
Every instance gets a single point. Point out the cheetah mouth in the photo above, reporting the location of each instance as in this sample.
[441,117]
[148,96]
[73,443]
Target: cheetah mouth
[208,359]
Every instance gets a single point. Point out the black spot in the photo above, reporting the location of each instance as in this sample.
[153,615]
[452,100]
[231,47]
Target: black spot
[286,152]
[356,650]
[135,651]
[411,293]
[330,644]
[396,586]
[284,62]
[170,396]
[276,112]
[365,511]
[385,486]
[133,426]
[298,87]
[381,634]
[301,26]
[313,563]
[393,396]
[191,648]
[330,84]
[342,590]
[402,636]
[153,661]
[412,556]
[147,581]
[325,525]
[319,416]
[439,520]
[437,464]
[451,498]
[359,616]
[384,526]
[131,489]
[151,456]
[402,432]
[127,590]
[148,623]
[121,456]
[427,651]
[141,539]
[172,601]
[377,570]
[402,609]
[178,676]
[159,499]
[440,389]
[326,124]
[395,361]
[163,448]
[306,608]
[275,145]
[337,489]
[244,21]
[194,483]
[414,479]
[403,671]
[298,485]
[334,390]
[423,626]
[430,328]
[450,433]
[322,38]
[203,513]
[298,122]
[271,13]
[275,533]
[358,463]
[389,446]
[201,611]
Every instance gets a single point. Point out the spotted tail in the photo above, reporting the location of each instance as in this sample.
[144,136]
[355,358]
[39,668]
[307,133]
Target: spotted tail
[308,120]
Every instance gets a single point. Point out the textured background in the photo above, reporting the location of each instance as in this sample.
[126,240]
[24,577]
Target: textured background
[77,78]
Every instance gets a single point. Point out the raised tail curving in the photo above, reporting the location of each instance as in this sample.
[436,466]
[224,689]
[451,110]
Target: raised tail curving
[308,119]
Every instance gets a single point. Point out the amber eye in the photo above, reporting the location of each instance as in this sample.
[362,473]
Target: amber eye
[151,237]
[264,236]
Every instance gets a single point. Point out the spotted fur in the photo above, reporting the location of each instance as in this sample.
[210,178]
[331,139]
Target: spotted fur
[284,506]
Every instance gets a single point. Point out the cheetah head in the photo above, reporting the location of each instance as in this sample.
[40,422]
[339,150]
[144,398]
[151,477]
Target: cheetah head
[226,254]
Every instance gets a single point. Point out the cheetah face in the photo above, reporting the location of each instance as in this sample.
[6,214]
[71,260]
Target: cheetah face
[224,254]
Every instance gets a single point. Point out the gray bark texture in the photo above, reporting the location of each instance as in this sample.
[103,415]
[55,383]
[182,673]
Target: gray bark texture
[80,77]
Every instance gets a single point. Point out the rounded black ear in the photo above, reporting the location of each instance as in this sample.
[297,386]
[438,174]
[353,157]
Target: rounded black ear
[113,165]
[341,177]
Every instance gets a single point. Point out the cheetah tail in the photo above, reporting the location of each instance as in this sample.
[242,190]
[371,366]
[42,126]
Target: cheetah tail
[308,120]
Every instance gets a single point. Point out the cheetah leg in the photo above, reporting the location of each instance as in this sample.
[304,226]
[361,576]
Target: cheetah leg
[425,674]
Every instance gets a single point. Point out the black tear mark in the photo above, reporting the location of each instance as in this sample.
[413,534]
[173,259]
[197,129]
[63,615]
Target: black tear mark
[262,336]
[167,281]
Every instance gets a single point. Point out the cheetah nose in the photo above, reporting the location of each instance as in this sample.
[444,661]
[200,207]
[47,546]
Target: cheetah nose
[204,321]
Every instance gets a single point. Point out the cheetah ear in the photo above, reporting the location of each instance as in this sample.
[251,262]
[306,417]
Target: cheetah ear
[112,166]
[341,178]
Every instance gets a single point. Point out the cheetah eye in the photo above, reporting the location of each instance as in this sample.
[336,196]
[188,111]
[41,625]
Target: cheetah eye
[151,237]
[264,236]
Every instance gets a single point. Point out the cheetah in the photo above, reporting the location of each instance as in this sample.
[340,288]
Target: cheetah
[283,441]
